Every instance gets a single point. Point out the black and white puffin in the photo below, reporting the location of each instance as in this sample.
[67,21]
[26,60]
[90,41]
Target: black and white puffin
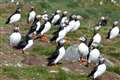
[31,15]
[16,16]
[59,35]
[25,44]
[35,25]
[56,17]
[62,19]
[45,27]
[98,69]
[114,32]
[95,40]
[93,56]
[15,37]
[83,48]
[103,21]
[77,23]
[58,54]
[72,23]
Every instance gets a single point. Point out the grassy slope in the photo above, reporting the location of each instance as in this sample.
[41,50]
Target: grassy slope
[90,10]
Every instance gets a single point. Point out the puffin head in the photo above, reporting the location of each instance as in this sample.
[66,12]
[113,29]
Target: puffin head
[73,16]
[32,8]
[83,39]
[97,27]
[18,10]
[16,29]
[65,13]
[58,11]
[38,17]
[101,60]
[66,22]
[61,43]
[115,23]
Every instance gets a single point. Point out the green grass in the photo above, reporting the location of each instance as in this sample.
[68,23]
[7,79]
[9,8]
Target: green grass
[38,73]
[115,69]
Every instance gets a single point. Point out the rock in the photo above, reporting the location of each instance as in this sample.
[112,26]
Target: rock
[65,69]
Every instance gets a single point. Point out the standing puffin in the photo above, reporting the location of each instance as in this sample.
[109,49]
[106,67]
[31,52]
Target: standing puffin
[15,37]
[72,23]
[35,25]
[62,19]
[83,48]
[77,23]
[45,27]
[60,34]
[31,15]
[25,43]
[56,17]
[114,32]
[103,21]
[93,56]
[14,17]
[58,54]
[98,70]
[95,40]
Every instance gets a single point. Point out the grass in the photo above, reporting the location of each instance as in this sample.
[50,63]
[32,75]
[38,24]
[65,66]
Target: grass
[38,73]
[115,69]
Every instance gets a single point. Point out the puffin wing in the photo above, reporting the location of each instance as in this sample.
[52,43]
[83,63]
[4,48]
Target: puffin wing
[93,71]
[41,28]
[90,42]
[54,55]
[21,45]
[108,35]
[8,19]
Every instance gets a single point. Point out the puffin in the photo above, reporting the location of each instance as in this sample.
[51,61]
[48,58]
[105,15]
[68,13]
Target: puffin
[72,23]
[93,56]
[83,48]
[35,25]
[26,43]
[103,21]
[56,17]
[98,70]
[59,35]
[15,37]
[62,19]
[63,24]
[114,31]
[31,15]
[95,40]
[15,17]
[58,54]
[77,23]
[45,27]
